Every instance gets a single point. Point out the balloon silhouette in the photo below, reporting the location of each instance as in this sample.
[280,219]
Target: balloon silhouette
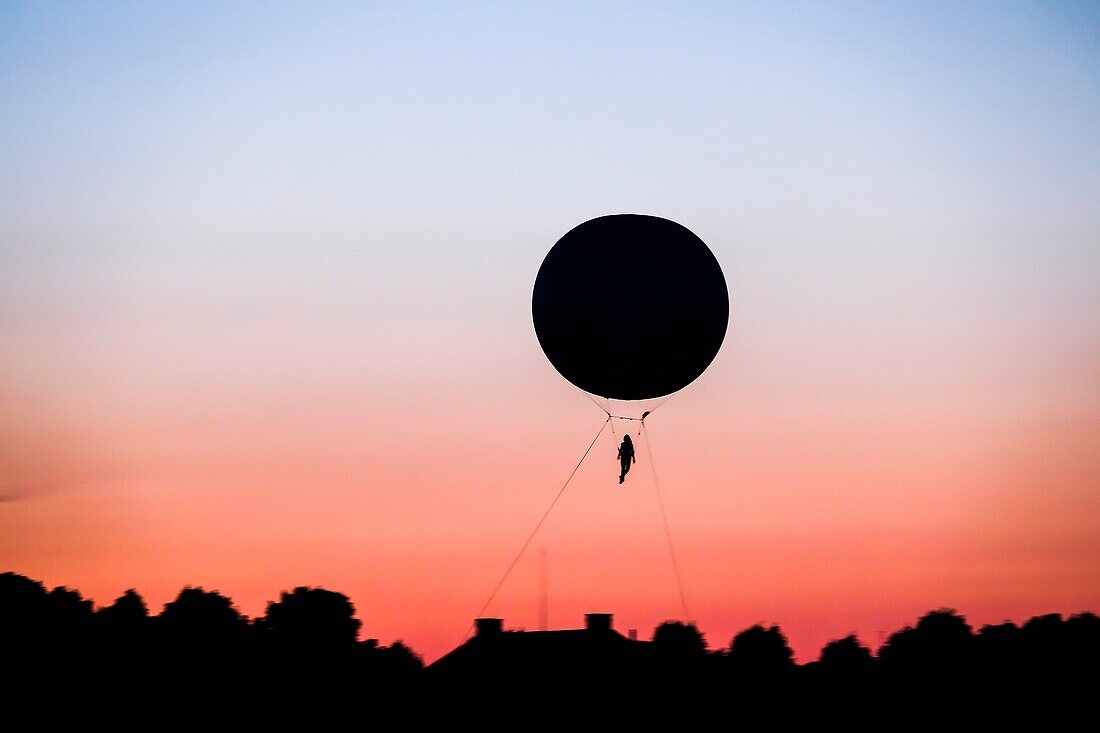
[630,307]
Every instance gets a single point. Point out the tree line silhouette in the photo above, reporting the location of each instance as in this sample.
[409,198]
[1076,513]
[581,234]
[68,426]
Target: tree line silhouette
[306,648]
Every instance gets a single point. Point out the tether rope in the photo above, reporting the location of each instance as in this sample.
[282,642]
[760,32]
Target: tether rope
[659,404]
[607,410]
[604,409]
[540,523]
[664,519]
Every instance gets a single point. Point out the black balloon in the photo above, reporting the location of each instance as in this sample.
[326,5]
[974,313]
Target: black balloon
[630,307]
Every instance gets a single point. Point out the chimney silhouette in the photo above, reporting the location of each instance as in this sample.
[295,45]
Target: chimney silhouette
[597,622]
[489,627]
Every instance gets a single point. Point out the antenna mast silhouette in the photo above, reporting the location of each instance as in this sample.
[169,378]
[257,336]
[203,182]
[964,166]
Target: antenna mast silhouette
[544,604]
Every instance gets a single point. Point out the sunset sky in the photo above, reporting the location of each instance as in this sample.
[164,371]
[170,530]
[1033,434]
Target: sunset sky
[265,281]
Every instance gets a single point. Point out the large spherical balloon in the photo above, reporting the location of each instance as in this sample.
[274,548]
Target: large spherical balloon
[630,307]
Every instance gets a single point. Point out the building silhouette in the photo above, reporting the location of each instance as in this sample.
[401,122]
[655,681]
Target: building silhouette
[494,654]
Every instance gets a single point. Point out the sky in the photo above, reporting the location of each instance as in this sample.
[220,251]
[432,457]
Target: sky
[265,280]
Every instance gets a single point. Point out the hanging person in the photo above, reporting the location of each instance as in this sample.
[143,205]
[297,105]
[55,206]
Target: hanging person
[626,457]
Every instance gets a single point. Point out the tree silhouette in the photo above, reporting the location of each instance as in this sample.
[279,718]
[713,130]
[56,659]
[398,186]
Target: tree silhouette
[845,658]
[201,623]
[127,611]
[1084,630]
[122,638]
[1053,645]
[677,640]
[22,609]
[679,654]
[760,650]
[67,615]
[66,608]
[999,649]
[936,653]
[199,610]
[396,660]
[312,619]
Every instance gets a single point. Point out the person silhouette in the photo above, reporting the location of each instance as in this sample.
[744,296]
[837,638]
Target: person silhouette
[626,457]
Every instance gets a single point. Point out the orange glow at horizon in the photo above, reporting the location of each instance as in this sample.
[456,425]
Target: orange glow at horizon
[825,525]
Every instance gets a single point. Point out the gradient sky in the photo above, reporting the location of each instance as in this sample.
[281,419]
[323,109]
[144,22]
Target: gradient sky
[265,281]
